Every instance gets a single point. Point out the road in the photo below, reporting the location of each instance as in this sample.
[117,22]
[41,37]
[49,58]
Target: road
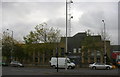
[51,71]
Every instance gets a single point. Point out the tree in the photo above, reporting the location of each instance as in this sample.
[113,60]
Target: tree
[106,35]
[10,48]
[18,52]
[31,38]
[6,46]
[90,45]
[87,46]
[42,35]
[47,35]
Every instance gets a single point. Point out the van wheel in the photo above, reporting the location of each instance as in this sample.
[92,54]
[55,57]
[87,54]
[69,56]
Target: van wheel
[70,67]
[54,66]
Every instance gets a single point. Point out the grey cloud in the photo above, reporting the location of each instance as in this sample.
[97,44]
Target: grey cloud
[93,15]
[20,31]
[60,0]
[22,17]
[58,23]
[25,15]
[33,0]
[119,23]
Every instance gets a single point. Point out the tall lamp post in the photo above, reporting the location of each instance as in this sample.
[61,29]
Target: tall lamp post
[104,42]
[66,31]
[57,56]
[12,44]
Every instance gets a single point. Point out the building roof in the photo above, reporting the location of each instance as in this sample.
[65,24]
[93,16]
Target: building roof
[96,37]
[76,37]
[115,48]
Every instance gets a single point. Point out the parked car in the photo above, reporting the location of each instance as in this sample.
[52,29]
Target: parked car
[100,66]
[16,64]
[3,64]
[118,64]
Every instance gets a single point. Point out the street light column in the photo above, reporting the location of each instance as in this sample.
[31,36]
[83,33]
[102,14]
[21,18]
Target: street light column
[12,47]
[104,42]
[12,44]
[67,31]
[66,37]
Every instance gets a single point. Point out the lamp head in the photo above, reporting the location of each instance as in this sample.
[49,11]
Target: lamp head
[102,20]
[71,16]
[71,1]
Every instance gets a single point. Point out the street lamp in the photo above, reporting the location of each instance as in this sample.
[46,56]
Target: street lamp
[104,41]
[57,56]
[66,30]
[12,44]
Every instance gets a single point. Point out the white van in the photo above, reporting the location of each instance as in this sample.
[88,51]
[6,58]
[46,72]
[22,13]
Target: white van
[61,63]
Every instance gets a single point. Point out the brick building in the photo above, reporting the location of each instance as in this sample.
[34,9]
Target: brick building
[80,53]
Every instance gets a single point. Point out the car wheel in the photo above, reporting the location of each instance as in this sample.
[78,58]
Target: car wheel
[94,67]
[70,67]
[107,68]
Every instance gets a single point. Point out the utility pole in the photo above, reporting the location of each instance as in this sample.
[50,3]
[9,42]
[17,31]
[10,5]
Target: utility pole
[57,56]
[70,17]
[66,37]
[12,44]
[105,55]
[66,31]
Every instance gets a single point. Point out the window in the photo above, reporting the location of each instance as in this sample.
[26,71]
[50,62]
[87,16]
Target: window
[36,59]
[92,54]
[62,51]
[98,53]
[74,50]
[68,61]
[79,50]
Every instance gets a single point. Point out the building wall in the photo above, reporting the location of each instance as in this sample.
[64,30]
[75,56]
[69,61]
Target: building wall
[75,48]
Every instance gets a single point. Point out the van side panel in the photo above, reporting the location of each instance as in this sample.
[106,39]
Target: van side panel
[61,62]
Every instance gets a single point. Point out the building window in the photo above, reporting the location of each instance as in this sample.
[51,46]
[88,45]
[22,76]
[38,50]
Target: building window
[62,51]
[36,59]
[98,53]
[79,50]
[92,54]
[74,50]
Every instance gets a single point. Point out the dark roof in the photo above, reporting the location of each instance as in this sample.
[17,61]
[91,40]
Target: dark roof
[75,41]
[96,37]
[80,34]
[79,37]
[76,37]
[115,47]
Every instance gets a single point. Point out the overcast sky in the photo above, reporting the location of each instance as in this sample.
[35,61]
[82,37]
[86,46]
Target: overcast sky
[22,16]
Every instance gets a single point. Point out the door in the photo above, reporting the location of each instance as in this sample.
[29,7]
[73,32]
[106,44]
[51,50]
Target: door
[99,66]
[103,66]
[61,63]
